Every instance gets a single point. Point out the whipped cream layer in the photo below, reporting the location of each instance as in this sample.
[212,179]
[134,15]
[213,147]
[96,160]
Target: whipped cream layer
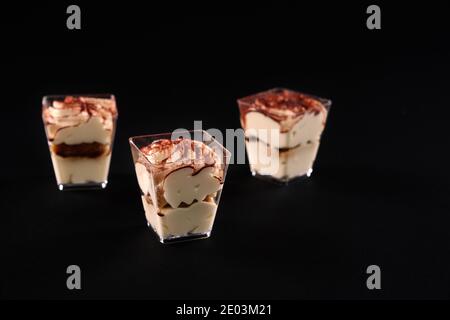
[285,107]
[308,128]
[180,181]
[158,165]
[76,170]
[184,221]
[78,120]
[281,164]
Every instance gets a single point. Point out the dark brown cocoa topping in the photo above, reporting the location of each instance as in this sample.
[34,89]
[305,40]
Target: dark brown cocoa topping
[82,150]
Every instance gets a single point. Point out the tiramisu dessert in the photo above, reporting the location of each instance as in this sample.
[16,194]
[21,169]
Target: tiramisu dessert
[282,130]
[181,180]
[80,133]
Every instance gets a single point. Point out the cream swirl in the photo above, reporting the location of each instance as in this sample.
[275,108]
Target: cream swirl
[166,154]
[283,106]
[74,111]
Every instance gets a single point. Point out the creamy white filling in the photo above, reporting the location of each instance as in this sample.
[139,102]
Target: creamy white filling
[143,177]
[73,170]
[91,131]
[282,165]
[198,218]
[302,139]
[181,186]
[308,128]
[145,181]
[262,158]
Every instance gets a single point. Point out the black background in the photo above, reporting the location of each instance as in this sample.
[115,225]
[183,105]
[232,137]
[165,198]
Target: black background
[378,195]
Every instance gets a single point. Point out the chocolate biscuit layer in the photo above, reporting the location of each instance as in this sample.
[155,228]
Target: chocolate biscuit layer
[86,150]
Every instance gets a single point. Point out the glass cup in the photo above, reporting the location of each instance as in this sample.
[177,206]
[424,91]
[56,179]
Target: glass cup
[181,177]
[80,133]
[282,132]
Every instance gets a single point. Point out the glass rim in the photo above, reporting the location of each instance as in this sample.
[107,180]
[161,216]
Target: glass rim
[89,95]
[325,101]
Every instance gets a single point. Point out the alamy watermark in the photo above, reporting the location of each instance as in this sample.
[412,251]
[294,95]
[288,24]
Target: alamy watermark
[374,20]
[74,278]
[73,21]
[374,280]
[262,145]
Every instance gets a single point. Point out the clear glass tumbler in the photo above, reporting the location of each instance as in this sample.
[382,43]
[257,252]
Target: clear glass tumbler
[282,132]
[181,177]
[80,133]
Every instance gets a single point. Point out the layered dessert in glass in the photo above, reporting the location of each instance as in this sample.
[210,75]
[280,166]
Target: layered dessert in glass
[80,132]
[180,179]
[282,132]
